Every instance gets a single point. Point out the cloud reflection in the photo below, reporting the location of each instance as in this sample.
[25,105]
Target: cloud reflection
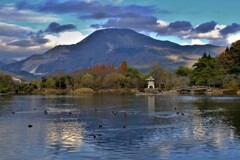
[65,136]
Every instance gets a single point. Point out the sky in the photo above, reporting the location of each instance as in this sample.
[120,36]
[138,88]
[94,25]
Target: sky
[32,27]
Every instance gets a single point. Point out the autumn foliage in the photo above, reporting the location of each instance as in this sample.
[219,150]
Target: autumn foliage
[102,69]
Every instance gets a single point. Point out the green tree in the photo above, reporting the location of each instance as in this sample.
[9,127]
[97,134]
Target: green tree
[114,80]
[98,82]
[229,60]
[87,80]
[25,88]
[142,83]
[48,82]
[6,83]
[183,71]
[61,83]
[69,82]
[207,72]
[133,77]
[233,84]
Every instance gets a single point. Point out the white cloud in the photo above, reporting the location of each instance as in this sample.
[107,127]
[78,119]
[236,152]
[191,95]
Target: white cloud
[162,23]
[197,42]
[10,13]
[193,42]
[214,34]
[233,38]
[184,44]
[65,38]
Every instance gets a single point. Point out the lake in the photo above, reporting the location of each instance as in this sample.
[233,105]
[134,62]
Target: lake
[119,127]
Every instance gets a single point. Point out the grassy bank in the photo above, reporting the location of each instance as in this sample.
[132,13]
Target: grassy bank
[84,91]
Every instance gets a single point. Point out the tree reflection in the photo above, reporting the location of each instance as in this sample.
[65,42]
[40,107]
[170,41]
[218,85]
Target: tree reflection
[227,111]
[5,103]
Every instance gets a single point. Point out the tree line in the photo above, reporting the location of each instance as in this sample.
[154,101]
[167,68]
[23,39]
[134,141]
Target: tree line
[222,71]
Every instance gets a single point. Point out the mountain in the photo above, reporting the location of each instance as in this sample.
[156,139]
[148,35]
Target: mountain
[6,62]
[112,46]
[1,63]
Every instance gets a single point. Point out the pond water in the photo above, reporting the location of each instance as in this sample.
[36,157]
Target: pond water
[119,127]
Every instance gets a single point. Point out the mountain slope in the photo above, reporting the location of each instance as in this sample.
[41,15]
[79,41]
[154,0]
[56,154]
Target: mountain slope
[6,62]
[112,46]
[1,63]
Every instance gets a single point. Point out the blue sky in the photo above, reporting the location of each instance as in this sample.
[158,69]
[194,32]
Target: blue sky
[32,27]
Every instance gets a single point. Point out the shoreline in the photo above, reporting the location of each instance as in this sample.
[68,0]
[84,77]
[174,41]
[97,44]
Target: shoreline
[124,91]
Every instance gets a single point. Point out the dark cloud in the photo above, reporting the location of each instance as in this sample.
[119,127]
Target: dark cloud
[177,28]
[180,26]
[57,28]
[139,23]
[14,35]
[11,30]
[96,15]
[233,28]
[11,13]
[92,9]
[206,27]
[104,15]
[149,24]
[36,41]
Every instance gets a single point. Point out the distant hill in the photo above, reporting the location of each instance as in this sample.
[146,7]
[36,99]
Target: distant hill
[1,63]
[112,46]
[6,62]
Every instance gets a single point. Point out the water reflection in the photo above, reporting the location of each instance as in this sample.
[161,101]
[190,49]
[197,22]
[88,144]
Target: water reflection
[5,101]
[151,103]
[65,136]
[224,110]
[152,128]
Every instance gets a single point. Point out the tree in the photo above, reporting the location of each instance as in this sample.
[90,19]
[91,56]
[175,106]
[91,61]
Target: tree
[65,82]
[114,80]
[207,72]
[87,80]
[98,82]
[6,83]
[123,67]
[25,87]
[133,77]
[183,71]
[142,83]
[160,74]
[61,83]
[48,82]
[229,60]
[233,84]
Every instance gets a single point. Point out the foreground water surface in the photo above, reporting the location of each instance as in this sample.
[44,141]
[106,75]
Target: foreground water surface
[119,127]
